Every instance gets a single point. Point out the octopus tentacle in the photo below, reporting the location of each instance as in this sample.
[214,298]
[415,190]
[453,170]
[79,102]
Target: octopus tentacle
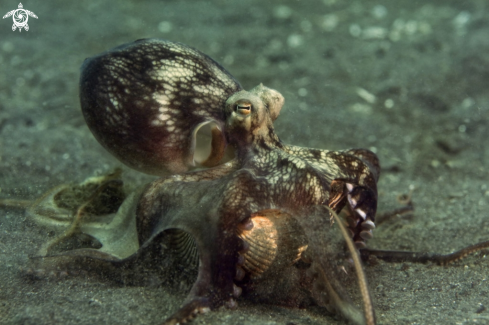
[362,281]
[159,211]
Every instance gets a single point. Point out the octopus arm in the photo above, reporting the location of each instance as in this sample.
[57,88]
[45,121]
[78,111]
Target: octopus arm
[194,208]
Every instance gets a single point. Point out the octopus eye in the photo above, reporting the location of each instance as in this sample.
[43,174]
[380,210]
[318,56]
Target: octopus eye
[243,107]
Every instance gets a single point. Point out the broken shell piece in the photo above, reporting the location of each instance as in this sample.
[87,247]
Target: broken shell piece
[57,207]
[184,247]
[93,218]
[276,241]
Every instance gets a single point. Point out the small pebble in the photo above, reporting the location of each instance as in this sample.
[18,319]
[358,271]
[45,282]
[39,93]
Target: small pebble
[379,11]
[355,30]
[94,302]
[480,309]
[295,40]
[282,12]
[330,22]
[366,95]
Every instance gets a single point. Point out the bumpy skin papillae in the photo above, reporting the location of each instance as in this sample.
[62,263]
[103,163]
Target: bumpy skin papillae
[212,204]
[150,96]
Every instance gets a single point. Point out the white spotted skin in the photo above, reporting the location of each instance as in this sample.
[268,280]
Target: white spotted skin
[143,101]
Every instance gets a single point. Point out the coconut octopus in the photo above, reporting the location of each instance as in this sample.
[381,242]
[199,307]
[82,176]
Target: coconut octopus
[234,201]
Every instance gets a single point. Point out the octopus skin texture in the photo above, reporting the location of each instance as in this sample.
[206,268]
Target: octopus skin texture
[242,209]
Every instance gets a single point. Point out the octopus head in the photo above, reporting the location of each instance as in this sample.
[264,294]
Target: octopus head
[250,114]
